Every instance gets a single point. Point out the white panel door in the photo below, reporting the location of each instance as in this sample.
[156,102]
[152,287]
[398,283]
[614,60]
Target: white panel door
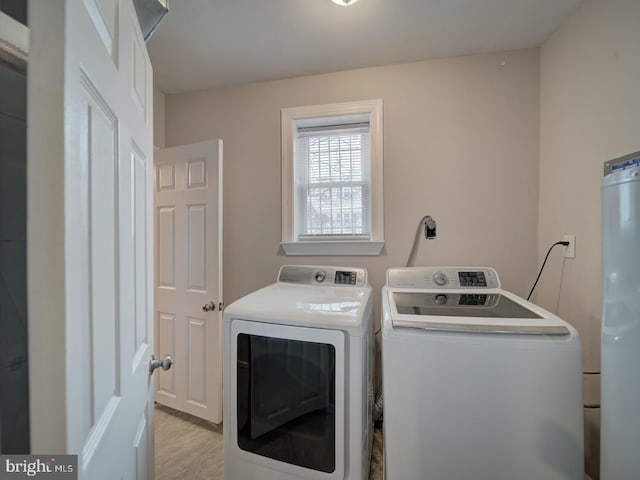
[188,276]
[90,214]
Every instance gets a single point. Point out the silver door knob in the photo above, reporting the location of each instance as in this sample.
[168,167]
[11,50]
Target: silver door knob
[165,363]
[209,307]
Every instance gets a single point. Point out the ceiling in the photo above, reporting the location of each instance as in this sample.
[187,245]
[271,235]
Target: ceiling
[204,44]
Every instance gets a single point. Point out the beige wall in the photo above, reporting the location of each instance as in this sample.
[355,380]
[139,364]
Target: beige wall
[460,143]
[589,113]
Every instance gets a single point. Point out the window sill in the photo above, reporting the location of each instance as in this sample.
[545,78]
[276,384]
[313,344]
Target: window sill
[332,248]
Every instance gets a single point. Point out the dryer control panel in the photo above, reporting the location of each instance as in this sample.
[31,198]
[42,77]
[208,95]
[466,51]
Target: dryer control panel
[323,275]
[445,278]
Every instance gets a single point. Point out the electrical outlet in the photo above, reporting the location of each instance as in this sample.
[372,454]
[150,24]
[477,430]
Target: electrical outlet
[570,250]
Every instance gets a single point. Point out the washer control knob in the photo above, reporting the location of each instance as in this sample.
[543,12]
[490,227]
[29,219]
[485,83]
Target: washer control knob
[320,276]
[440,278]
[441,299]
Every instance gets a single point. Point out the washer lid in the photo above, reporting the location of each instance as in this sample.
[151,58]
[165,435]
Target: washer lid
[489,311]
[479,305]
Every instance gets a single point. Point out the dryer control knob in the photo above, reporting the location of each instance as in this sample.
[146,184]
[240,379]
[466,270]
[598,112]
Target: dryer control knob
[440,278]
[441,299]
[320,276]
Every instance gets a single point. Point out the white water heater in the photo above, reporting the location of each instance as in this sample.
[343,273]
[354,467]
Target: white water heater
[620,411]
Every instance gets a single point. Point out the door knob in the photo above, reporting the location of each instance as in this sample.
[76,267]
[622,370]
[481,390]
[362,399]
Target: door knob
[165,363]
[209,307]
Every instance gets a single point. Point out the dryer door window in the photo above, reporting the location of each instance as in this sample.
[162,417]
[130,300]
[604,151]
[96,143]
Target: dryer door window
[286,400]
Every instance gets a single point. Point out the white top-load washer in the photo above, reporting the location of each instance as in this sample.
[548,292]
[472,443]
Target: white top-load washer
[298,377]
[478,383]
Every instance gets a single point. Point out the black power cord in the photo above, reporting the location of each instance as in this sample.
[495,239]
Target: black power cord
[543,264]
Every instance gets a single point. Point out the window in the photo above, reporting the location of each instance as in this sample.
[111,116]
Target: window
[332,179]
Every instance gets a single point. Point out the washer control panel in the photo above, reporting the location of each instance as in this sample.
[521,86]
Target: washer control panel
[472,279]
[446,278]
[323,275]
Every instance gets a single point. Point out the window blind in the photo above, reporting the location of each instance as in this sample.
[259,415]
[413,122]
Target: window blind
[332,172]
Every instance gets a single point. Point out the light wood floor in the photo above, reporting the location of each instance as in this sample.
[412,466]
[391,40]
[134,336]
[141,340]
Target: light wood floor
[190,448]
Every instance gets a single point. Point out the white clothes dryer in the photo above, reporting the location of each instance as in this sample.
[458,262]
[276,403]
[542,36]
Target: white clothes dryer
[478,383]
[298,377]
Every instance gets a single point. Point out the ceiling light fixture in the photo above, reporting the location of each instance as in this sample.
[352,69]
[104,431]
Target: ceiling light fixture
[344,3]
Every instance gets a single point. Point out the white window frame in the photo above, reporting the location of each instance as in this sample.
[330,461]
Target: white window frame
[290,244]
[14,38]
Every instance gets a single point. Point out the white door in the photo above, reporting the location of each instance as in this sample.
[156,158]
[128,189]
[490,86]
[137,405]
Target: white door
[188,276]
[89,243]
